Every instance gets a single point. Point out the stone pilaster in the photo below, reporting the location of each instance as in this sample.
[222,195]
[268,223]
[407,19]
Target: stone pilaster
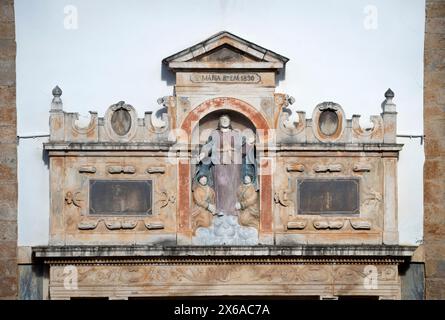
[434,167]
[8,154]
[390,234]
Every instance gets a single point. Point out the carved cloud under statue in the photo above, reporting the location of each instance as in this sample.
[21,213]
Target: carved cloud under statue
[225,230]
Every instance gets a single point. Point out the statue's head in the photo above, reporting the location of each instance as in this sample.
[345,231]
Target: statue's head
[202,180]
[224,121]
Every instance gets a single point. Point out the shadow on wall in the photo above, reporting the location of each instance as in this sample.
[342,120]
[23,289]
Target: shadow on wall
[45,158]
[281,76]
[167,75]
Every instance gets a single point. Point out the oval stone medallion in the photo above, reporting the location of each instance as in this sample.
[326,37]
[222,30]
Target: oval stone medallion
[328,122]
[121,121]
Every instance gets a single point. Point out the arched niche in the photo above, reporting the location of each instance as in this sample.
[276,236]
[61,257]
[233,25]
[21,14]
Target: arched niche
[226,105]
[205,113]
[209,122]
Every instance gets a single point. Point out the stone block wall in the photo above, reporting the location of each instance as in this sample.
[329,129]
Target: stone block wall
[8,154]
[434,167]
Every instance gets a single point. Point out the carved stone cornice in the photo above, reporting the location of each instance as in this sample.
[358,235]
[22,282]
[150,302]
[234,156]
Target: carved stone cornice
[108,261]
[218,254]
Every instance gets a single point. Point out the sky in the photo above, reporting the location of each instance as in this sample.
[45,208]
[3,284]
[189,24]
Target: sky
[104,51]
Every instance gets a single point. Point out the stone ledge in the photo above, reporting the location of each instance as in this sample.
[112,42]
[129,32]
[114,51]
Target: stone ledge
[169,146]
[107,146]
[338,147]
[224,251]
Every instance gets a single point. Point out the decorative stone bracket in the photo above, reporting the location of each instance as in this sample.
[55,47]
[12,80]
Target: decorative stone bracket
[328,168]
[329,224]
[121,224]
[121,169]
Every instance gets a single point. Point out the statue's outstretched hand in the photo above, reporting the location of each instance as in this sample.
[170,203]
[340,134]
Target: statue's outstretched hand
[201,156]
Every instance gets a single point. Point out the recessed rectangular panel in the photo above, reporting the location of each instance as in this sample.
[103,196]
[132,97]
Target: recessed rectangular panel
[328,196]
[121,197]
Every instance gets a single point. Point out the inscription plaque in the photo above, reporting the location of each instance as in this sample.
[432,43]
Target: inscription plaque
[121,197]
[225,77]
[328,196]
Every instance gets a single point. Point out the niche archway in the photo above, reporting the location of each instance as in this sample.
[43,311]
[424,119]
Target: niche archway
[192,120]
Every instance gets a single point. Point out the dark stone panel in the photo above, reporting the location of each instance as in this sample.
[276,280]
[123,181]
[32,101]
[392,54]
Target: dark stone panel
[328,196]
[121,197]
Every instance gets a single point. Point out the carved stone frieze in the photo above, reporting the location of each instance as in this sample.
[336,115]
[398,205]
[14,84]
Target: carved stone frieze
[230,279]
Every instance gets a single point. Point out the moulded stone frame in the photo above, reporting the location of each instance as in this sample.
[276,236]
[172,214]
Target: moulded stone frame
[355,214]
[133,127]
[337,135]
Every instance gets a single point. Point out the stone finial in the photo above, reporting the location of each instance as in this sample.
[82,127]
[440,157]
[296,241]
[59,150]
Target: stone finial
[388,105]
[389,94]
[57,92]
[389,116]
[56,103]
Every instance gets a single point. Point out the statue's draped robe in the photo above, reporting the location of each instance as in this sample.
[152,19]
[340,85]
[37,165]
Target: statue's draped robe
[203,196]
[247,197]
[225,149]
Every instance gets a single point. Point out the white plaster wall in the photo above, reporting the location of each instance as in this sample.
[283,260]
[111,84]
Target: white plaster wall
[339,51]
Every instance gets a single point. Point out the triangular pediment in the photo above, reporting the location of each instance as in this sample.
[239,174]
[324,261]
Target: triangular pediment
[225,51]
[225,54]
